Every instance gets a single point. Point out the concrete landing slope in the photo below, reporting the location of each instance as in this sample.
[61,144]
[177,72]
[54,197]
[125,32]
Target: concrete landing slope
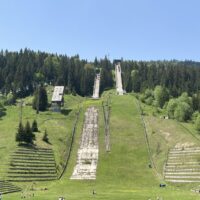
[87,156]
[96,87]
[118,78]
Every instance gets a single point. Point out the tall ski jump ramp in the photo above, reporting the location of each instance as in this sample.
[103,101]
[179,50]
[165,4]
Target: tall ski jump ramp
[118,78]
[96,87]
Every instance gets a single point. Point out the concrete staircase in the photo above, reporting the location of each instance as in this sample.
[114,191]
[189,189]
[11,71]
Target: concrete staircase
[7,187]
[183,165]
[87,157]
[96,87]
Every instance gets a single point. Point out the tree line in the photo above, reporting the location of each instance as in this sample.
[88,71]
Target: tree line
[21,73]
[176,76]
[182,108]
[26,134]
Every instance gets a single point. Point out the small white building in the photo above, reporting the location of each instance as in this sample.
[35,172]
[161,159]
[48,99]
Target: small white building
[57,98]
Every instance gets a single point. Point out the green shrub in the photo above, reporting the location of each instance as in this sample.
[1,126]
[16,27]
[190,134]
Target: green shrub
[183,112]
[172,104]
[149,101]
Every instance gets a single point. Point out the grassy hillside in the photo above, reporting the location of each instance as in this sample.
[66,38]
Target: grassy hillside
[58,127]
[164,134]
[121,174]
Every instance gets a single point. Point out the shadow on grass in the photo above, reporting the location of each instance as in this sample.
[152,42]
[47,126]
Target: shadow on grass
[30,146]
[2,112]
[48,142]
[66,111]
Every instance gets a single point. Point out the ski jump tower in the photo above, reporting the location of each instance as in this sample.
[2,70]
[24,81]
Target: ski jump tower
[118,77]
[96,87]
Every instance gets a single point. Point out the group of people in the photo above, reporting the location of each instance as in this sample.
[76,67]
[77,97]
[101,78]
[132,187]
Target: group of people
[24,196]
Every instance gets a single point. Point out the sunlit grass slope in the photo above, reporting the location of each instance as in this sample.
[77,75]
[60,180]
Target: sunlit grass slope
[58,126]
[123,173]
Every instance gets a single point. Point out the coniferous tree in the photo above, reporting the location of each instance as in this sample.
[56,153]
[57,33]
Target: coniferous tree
[2,110]
[20,135]
[29,136]
[21,72]
[43,103]
[34,126]
[40,101]
[106,75]
[135,79]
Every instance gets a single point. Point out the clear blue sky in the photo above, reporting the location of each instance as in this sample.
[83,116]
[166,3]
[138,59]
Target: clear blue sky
[132,29]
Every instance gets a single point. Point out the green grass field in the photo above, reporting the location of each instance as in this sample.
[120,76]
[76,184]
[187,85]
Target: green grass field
[122,173]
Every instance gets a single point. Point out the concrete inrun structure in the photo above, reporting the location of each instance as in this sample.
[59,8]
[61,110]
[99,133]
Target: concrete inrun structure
[87,157]
[96,87]
[118,77]
[57,99]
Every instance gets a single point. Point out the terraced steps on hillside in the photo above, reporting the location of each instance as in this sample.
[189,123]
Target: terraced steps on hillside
[31,179]
[184,170]
[32,164]
[31,172]
[34,151]
[7,187]
[38,165]
[182,157]
[31,158]
[44,154]
[182,181]
[182,152]
[183,173]
[183,149]
[183,165]
[32,168]
[33,155]
[191,154]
